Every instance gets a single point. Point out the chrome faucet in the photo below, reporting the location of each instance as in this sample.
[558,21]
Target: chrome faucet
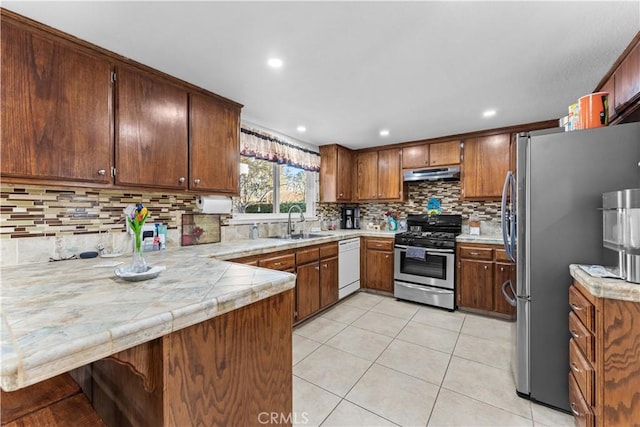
[291,229]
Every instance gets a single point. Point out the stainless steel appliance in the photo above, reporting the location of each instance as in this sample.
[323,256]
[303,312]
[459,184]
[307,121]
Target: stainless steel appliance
[348,267]
[350,217]
[621,230]
[424,262]
[551,220]
[451,173]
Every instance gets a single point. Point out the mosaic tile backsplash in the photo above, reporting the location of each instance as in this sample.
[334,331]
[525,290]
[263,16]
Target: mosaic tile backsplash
[419,193]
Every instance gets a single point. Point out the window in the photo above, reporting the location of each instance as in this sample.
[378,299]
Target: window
[269,190]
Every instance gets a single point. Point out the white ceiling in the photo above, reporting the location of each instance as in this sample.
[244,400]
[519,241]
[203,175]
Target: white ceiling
[418,69]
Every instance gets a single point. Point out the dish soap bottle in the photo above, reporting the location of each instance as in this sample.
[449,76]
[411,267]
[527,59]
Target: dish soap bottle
[254,231]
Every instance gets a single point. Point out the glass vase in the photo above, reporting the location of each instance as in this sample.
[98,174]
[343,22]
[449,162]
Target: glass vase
[138,264]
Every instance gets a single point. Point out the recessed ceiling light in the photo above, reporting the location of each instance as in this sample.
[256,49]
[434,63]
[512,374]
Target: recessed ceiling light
[384,132]
[275,62]
[489,113]
[301,129]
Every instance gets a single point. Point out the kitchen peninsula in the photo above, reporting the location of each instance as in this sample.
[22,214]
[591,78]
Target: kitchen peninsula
[208,342]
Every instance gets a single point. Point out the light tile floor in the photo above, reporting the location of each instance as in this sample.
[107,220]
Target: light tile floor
[375,361]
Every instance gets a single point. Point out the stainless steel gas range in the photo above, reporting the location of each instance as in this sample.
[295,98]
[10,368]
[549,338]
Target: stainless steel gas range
[424,265]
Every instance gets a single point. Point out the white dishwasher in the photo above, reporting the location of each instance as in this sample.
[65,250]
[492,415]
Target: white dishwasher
[348,267]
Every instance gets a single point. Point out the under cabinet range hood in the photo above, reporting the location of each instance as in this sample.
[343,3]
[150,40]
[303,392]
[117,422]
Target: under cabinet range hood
[451,173]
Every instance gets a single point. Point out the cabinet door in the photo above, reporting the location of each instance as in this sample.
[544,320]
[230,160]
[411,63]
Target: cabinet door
[329,173]
[345,175]
[476,284]
[627,79]
[214,145]
[328,281]
[307,289]
[444,153]
[415,157]
[484,165]
[56,110]
[379,270]
[389,174]
[503,271]
[367,176]
[151,131]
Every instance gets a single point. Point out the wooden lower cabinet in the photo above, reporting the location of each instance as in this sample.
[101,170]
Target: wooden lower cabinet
[228,370]
[476,284]
[316,267]
[604,359]
[377,265]
[482,270]
[308,289]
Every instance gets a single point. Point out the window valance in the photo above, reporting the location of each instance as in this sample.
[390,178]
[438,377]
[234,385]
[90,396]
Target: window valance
[262,145]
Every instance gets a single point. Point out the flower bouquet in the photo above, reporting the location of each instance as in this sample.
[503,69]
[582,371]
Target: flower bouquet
[136,217]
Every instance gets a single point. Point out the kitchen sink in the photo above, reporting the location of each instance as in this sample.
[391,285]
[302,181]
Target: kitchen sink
[297,236]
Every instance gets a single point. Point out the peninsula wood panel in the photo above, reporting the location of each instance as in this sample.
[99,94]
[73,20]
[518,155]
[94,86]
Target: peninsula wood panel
[214,145]
[228,370]
[56,109]
[151,131]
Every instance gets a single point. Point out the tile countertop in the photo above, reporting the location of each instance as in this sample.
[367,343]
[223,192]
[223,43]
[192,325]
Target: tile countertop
[61,315]
[606,288]
[486,239]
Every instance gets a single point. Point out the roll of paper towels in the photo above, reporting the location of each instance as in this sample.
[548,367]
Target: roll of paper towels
[214,204]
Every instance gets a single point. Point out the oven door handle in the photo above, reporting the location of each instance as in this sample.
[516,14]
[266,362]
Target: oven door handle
[431,289]
[428,250]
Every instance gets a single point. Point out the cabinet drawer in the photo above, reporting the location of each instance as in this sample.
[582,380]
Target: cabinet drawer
[380,245]
[476,253]
[329,250]
[305,256]
[501,255]
[583,338]
[282,262]
[582,307]
[582,414]
[582,372]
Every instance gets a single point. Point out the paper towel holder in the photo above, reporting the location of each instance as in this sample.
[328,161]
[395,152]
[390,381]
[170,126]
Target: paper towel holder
[213,204]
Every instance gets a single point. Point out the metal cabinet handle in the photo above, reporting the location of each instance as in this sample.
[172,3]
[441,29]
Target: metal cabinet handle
[277,263]
[340,195]
[325,266]
[486,266]
[576,307]
[575,368]
[386,256]
[102,172]
[474,253]
[196,181]
[317,268]
[576,413]
[181,180]
[574,334]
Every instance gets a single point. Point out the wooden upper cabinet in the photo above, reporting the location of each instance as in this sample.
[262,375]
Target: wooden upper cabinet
[151,131]
[610,88]
[379,175]
[485,164]
[367,169]
[627,79]
[56,109]
[389,174]
[336,174]
[444,153]
[415,157]
[431,155]
[214,145]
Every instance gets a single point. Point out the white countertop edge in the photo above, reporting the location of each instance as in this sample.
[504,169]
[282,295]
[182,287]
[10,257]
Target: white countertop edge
[606,287]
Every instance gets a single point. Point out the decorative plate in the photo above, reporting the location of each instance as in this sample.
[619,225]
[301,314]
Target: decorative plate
[151,273]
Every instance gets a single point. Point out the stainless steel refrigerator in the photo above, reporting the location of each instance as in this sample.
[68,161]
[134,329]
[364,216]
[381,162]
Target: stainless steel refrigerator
[551,217]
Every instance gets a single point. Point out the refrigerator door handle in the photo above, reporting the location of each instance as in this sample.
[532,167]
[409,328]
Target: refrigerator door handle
[512,301]
[507,228]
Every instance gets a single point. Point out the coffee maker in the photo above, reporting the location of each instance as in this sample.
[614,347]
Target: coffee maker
[621,230]
[350,217]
